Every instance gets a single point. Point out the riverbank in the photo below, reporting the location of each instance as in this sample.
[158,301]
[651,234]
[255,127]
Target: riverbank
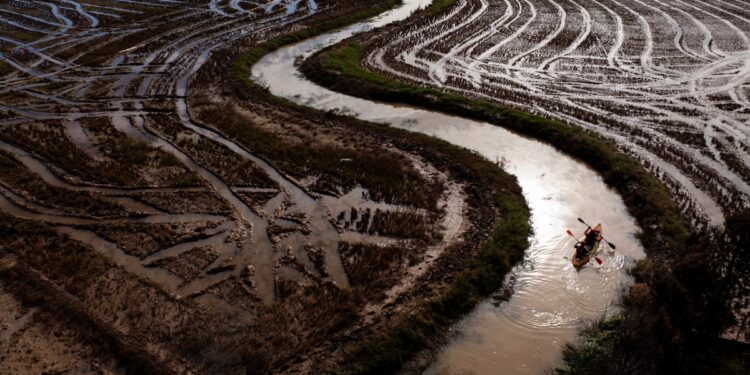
[244,62]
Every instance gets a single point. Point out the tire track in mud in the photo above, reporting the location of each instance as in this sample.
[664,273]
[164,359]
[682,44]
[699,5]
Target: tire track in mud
[122,93]
[676,72]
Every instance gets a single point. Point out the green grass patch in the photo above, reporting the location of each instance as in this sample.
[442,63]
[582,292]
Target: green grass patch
[439,6]
[132,151]
[167,160]
[244,63]
[592,343]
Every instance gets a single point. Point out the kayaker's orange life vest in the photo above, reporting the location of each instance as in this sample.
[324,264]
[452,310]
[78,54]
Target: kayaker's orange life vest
[591,237]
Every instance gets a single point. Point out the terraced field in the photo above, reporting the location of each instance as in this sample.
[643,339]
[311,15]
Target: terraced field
[157,222]
[94,121]
[162,212]
[666,80]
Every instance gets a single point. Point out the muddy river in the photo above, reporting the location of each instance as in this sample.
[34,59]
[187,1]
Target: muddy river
[551,301]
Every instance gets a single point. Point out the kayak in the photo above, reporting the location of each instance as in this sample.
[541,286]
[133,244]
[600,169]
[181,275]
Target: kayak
[580,262]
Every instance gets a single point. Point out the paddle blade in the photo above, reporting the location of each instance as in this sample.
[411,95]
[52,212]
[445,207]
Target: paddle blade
[611,245]
[598,260]
[571,233]
[584,223]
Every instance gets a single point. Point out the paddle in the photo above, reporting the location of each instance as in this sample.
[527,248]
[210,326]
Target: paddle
[608,243]
[595,257]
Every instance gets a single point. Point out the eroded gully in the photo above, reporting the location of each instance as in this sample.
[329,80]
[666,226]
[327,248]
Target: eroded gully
[550,301]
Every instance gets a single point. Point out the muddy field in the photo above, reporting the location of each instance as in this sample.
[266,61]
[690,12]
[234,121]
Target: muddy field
[155,221]
[666,80]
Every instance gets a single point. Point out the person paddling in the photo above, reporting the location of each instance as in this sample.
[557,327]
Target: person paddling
[581,250]
[584,247]
[592,237]
[588,245]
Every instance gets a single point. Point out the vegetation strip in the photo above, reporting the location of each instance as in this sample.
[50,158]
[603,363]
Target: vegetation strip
[244,63]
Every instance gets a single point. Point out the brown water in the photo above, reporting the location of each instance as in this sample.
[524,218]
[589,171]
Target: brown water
[551,300]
